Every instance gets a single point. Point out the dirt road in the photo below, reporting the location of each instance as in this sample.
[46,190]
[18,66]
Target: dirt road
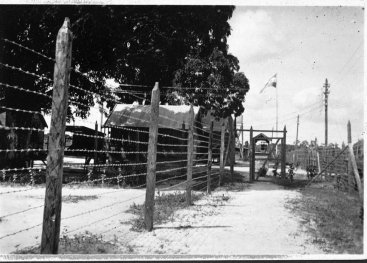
[254,221]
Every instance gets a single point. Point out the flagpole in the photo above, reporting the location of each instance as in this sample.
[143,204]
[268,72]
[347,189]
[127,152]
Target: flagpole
[276,92]
[276,125]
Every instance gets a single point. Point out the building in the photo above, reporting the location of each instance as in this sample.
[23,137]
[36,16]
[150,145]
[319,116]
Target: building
[129,125]
[16,139]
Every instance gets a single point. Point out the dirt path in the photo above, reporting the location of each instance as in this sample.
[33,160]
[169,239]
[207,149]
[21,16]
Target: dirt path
[244,219]
[254,221]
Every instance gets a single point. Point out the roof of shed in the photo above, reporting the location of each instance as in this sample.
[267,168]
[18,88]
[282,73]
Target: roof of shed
[170,116]
[261,137]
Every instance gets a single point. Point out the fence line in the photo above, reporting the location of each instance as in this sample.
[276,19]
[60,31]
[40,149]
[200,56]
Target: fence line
[25,71]
[102,172]
[25,90]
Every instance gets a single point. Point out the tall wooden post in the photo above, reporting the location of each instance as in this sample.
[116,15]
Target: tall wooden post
[284,151]
[318,162]
[326,93]
[228,143]
[297,130]
[233,147]
[353,162]
[190,154]
[222,141]
[252,156]
[95,143]
[350,175]
[137,146]
[242,147]
[350,168]
[210,156]
[152,159]
[55,158]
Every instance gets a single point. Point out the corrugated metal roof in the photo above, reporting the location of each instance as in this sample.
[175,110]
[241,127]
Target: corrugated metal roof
[130,115]
[170,116]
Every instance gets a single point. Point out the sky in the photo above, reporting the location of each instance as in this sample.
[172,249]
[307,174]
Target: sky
[304,46]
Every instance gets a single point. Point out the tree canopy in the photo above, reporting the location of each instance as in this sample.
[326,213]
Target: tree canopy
[131,44]
[213,83]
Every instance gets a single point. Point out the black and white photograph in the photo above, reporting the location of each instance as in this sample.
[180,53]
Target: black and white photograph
[182,130]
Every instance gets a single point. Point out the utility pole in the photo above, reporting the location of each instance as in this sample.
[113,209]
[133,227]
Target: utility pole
[297,130]
[326,93]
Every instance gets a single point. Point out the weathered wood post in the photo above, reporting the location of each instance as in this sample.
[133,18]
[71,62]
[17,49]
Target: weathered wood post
[190,154]
[152,159]
[252,155]
[222,141]
[210,157]
[284,151]
[55,158]
[242,147]
[95,143]
[318,162]
[353,162]
[137,157]
[228,143]
[233,148]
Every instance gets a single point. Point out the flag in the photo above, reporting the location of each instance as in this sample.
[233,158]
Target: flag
[271,82]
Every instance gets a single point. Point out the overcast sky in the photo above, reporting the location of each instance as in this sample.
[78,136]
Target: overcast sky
[304,46]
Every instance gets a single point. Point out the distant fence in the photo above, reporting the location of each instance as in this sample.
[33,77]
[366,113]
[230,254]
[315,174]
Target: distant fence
[192,150]
[332,164]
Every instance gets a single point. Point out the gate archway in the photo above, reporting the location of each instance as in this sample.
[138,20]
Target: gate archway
[281,136]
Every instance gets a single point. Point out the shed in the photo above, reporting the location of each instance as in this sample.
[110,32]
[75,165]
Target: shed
[264,142]
[77,141]
[131,123]
[21,139]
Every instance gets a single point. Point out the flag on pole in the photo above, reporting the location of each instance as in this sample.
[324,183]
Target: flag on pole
[271,82]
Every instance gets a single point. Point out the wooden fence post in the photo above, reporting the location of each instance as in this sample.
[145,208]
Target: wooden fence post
[284,149]
[96,143]
[210,156]
[137,157]
[233,152]
[242,148]
[252,156]
[230,142]
[222,141]
[350,175]
[353,162]
[318,162]
[190,155]
[55,158]
[152,159]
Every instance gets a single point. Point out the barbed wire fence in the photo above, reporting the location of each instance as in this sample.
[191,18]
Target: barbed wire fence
[333,165]
[151,160]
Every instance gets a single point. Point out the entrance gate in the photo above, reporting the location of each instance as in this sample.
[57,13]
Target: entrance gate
[267,154]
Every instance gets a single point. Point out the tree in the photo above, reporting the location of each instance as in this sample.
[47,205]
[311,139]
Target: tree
[214,83]
[131,44]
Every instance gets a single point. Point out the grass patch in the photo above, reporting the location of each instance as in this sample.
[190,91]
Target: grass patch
[227,179]
[86,243]
[332,217]
[77,198]
[165,206]
[297,183]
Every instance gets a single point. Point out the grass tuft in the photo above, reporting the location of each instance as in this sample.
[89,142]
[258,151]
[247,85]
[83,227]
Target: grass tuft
[165,206]
[86,243]
[332,217]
